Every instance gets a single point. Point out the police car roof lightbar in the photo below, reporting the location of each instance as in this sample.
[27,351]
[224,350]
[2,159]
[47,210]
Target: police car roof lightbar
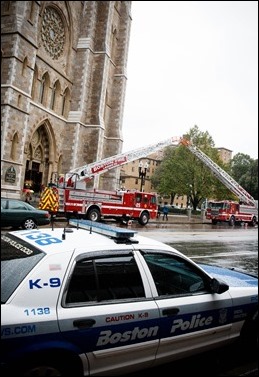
[106,230]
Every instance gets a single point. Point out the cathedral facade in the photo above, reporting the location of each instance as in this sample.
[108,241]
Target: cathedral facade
[63,79]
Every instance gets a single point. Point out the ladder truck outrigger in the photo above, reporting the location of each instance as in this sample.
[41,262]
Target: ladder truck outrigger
[71,198]
[245,210]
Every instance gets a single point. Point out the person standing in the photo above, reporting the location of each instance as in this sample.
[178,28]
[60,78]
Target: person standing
[165,212]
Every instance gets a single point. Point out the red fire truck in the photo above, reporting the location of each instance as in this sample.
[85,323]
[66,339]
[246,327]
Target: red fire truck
[96,204]
[93,204]
[231,212]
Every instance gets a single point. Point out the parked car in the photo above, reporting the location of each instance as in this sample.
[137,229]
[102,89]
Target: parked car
[17,213]
[93,299]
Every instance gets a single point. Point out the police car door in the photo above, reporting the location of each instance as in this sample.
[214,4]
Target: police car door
[108,313]
[192,318]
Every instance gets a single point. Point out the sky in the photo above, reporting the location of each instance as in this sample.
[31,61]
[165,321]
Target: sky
[193,63]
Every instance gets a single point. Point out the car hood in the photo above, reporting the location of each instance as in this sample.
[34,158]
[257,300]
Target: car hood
[232,277]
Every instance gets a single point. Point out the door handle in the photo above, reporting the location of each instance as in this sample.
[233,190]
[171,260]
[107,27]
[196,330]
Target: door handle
[83,323]
[170,311]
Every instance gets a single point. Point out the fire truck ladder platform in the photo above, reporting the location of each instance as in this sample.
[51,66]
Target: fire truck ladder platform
[119,235]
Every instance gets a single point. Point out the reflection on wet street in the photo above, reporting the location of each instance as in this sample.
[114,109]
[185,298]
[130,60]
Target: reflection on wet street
[243,256]
[232,247]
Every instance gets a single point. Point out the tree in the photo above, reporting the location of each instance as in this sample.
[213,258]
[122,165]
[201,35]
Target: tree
[183,173]
[244,170]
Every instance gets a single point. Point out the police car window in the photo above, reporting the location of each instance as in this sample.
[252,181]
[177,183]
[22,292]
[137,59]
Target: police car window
[106,278]
[17,259]
[173,275]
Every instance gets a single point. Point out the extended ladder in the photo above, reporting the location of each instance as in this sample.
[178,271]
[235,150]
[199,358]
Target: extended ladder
[222,176]
[102,166]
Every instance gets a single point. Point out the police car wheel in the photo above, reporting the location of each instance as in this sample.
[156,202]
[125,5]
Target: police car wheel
[249,335]
[29,224]
[44,366]
[42,370]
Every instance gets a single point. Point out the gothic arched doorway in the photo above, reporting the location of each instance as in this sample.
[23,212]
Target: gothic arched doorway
[37,163]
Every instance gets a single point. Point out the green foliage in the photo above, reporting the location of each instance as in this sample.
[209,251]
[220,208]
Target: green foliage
[183,173]
[244,170]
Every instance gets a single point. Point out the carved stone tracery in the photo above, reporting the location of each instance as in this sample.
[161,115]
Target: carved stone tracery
[53,33]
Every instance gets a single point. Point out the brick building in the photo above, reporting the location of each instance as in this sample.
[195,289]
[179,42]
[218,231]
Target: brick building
[63,76]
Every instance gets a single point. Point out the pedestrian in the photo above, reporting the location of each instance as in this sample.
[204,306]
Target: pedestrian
[159,211]
[28,197]
[165,212]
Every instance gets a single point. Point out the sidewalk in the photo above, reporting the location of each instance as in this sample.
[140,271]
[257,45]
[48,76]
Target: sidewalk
[182,219]
[172,219]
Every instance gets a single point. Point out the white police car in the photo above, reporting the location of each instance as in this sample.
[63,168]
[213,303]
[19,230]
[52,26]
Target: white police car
[77,302]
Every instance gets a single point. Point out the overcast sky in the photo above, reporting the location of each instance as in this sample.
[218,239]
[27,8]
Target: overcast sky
[193,63]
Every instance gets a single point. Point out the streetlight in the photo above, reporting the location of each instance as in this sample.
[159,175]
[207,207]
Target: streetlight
[142,173]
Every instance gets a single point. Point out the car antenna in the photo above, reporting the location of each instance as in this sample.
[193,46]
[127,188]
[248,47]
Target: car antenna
[64,233]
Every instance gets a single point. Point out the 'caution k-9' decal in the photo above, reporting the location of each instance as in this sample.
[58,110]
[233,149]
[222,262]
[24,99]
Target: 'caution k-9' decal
[49,199]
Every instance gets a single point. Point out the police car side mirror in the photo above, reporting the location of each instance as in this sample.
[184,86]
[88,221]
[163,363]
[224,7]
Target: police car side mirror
[218,286]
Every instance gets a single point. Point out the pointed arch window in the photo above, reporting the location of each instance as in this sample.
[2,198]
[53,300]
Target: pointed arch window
[14,147]
[66,103]
[35,84]
[44,88]
[55,96]
[32,12]
[24,66]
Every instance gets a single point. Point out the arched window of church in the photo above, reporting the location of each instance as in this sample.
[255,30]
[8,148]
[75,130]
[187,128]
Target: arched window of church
[14,147]
[35,85]
[31,4]
[24,66]
[44,89]
[6,7]
[19,101]
[66,103]
[55,96]
[114,43]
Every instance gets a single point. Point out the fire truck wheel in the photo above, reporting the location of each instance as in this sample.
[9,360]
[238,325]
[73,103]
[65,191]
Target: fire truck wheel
[94,214]
[253,222]
[232,221]
[144,218]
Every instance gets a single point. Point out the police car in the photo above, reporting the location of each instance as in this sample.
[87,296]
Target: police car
[93,299]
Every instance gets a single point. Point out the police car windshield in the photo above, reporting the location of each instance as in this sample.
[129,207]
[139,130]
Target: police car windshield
[17,260]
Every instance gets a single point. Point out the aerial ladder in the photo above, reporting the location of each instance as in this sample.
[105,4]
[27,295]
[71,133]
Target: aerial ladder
[221,174]
[89,171]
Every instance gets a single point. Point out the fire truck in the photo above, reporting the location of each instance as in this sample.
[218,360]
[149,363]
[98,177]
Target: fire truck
[70,197]
[245,210]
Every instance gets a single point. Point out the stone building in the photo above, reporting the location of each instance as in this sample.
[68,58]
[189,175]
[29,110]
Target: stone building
[63,76]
